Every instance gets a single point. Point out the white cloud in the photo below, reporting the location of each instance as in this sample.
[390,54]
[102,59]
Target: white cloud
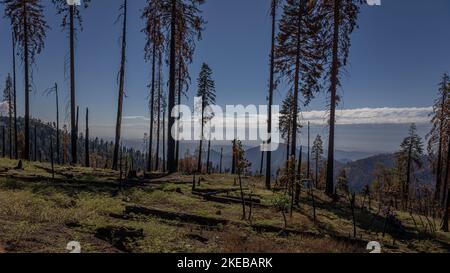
[366,129]
[387,115]
[141,118]
[419,115]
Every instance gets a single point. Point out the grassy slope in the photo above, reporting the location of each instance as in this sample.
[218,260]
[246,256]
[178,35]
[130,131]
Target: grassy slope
[41,215]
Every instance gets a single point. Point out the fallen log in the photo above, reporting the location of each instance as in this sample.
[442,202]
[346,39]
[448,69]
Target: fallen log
[254,199]
[213,191]
[200,220]
[151,176]
[228,199]
[274,229]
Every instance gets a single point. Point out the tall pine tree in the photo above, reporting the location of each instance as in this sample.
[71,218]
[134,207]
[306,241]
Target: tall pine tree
[274,4]
[439,133]
[206,90]
[339,20]
[178,13]
[154,16]
[408,159]
[299,55]
[123,60]
[29,28]
[71,16]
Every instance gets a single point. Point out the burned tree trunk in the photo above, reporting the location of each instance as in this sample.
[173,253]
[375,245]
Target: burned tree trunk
[221,158]
[297,184]
[35,142]
[408,179]
[16,145]
[3,142]
[288,147]
[86,144]
[164,143]
[233,161]
[180,87]
[271,89]
[300,159]
[447,173]
[51,158]
[10,121]
[171,163]
[242,196]
[57,126]
[76,134]
[208,165]
[262,163]
[313,201]
[333,100]
[26,152]
[437,196]
[120,164]
[294,109]
[352,207]
[317,173]
[158,122]
[308,169]
[444,227]
[73,121]
[200,148]
[121,88]
[152,113]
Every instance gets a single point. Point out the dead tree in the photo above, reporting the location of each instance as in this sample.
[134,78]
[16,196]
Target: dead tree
[221,158]
[35,142]
[241,166]
[299,174]
[308,170]
[274,6]
[29,28]
[86,141]
[158,118]
[120,165]
[51,158]
[311,192]
[193,183]
[262,163]
[447,173]
[164,163]
[242,195]
[121,85]
[16,145]
[352,200]
[208,165]
[233,161]
[3,142]
[75,161]
[444,227]
[71,18]
[9,97]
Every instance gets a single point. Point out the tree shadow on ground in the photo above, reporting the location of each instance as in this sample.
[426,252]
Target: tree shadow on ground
[364,219]
[72,186]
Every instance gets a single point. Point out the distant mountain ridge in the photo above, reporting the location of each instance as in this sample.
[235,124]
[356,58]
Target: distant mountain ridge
[360,173]
[253,155]
[360,166]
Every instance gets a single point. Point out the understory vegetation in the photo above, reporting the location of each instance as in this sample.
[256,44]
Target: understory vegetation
[156,213]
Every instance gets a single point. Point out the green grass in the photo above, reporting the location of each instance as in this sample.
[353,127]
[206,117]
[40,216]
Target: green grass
[39,214]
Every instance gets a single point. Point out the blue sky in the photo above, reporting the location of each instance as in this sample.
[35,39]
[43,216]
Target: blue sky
[398,54]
